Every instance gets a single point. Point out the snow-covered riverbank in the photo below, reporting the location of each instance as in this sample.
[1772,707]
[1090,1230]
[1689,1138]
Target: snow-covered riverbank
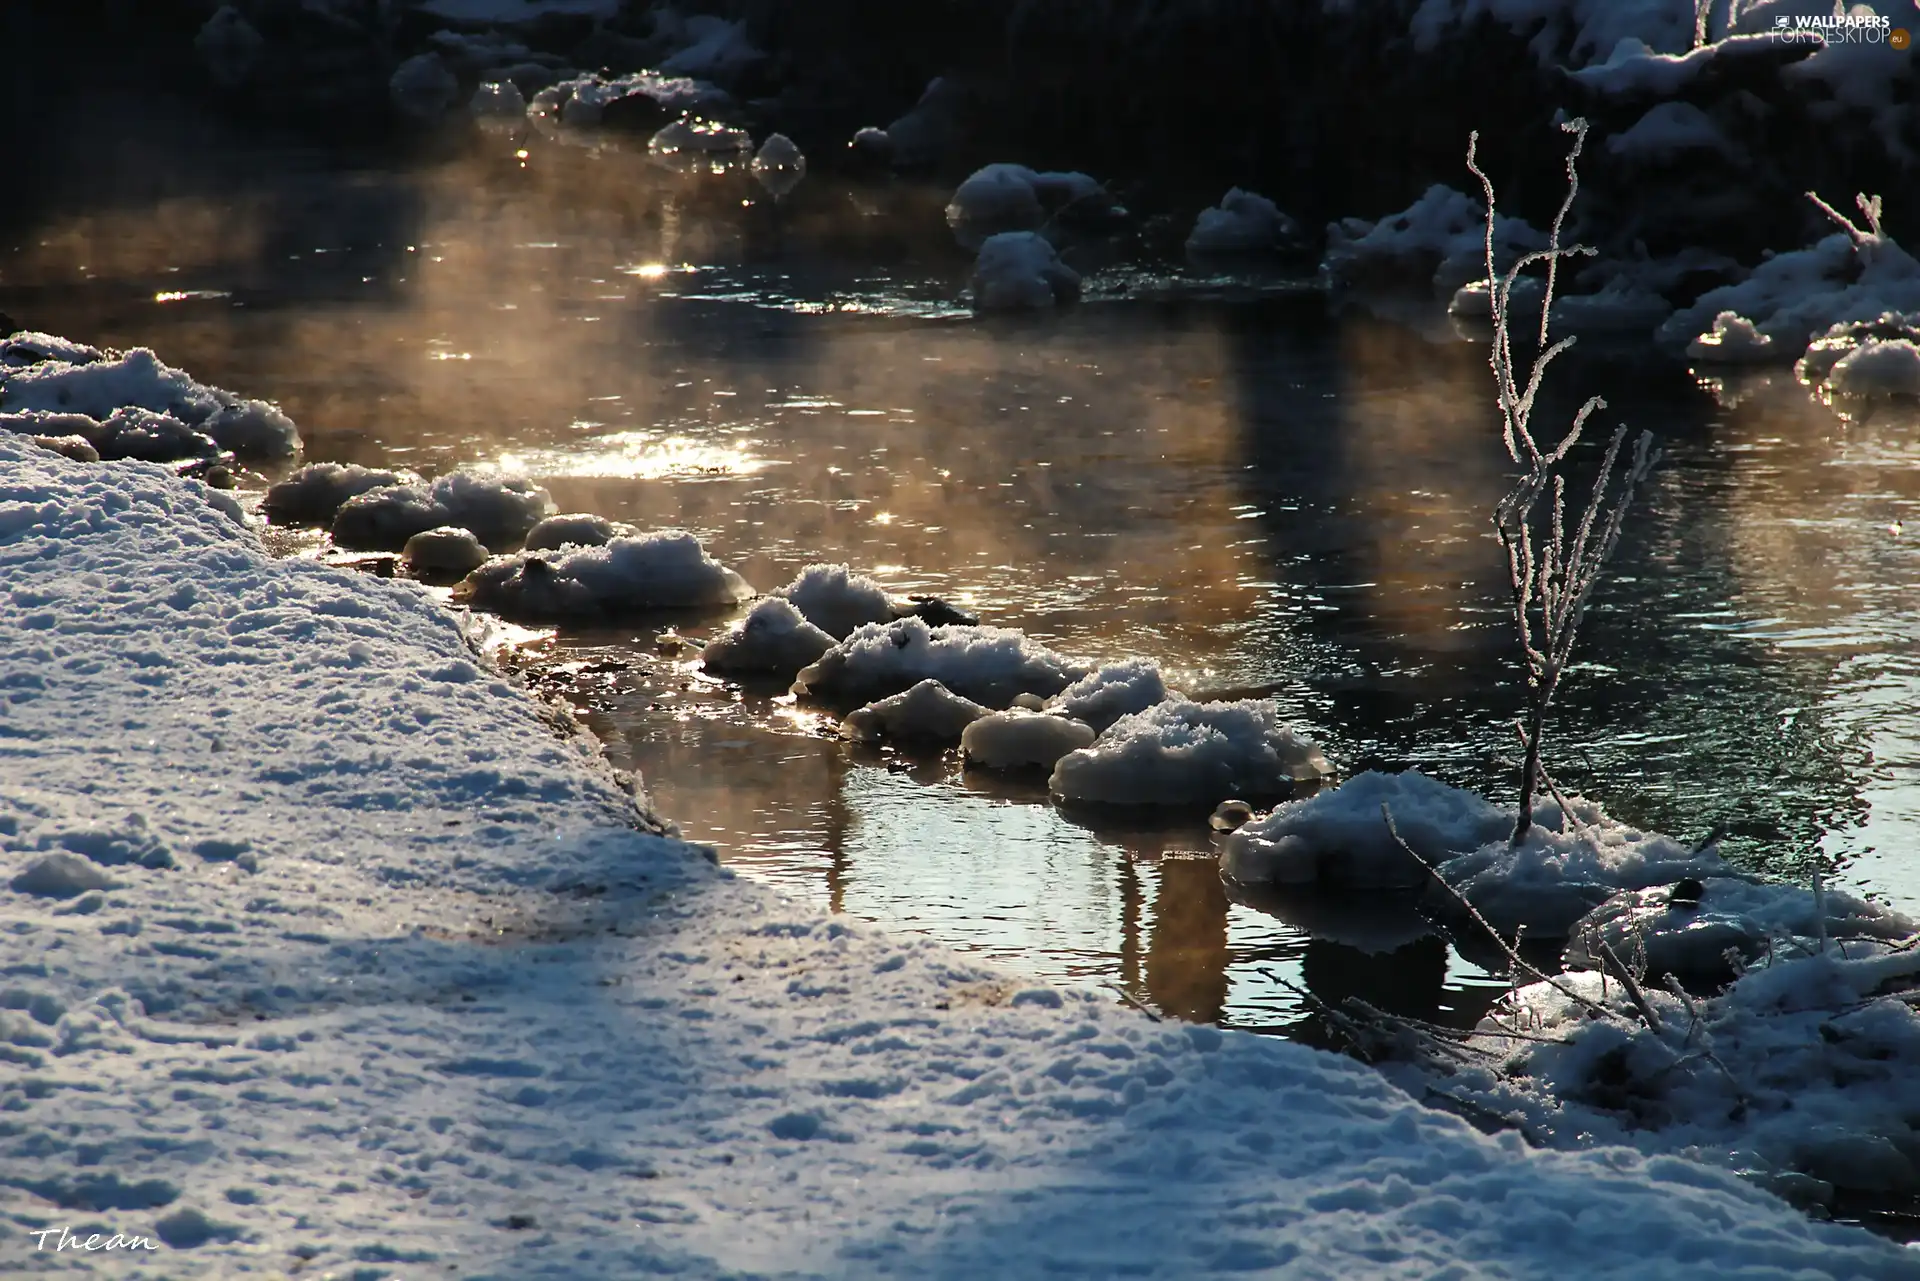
[324,951]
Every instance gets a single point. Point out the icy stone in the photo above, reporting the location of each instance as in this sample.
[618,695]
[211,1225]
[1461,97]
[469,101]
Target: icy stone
[1621,307]
[253,429]
[501,510]
[313,495]
[61,876]
[774,638]
[384,518]
[422,88]
[1186,753]
[498,98]
[1890,368]
[1438,241]
[665,570]
[445,552]
[1017,739]
[78,448]
[1242,223]
[153,438]
[695,144]
[837,600]
[575,529]
[1733,340]
[989,665]
[1021,271]
[927,713]
[1104,695]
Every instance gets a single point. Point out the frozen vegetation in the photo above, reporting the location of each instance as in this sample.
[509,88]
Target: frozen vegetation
[628,575]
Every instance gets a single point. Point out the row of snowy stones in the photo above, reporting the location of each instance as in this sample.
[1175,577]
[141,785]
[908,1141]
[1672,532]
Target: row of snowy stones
[917,672]
[921,671]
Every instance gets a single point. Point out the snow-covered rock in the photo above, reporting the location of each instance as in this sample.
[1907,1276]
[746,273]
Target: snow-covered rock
[641,102]
[1622,307]
[1473,301]
[692,144]
[1866,358]
[1111,691]
[1339,835]
[1670,133]
[1004,197]
[1733,340]
[500,510]
[1019,739]
[1438,242]
[664,570]
[1185,753]
[1244,222]
[779,165]
[837,600]
[383,518]
[445,552]
[928,713]
[45,373]
[989,665]
[229,47]
[424,88]
[313,495]
[1688,929]
[1021,271]
[1554,877]
[574,529]
[498,99]
[774,639]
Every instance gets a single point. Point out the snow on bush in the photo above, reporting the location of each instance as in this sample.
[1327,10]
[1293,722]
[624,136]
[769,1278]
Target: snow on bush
[774,638]
[1021,271]
[989,665]
[39,371]
[315,492]
[837,600]
[1339,835]
[929,713]
[445,552]
[1733,340]
[1111,691]
[1857,274]
[1020,739]
[665,570]
[1438,241]
[1242,223]
[575,529]
[1185,753]
[1706,931]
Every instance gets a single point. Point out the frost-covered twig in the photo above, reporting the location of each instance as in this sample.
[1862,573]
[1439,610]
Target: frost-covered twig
[1611,959]
[1552,571]
[1869,208]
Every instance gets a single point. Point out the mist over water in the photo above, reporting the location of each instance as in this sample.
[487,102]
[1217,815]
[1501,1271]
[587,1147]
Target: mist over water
[1260,492]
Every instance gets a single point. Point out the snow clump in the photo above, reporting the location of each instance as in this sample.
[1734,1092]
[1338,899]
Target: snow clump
[1021,271]
[928,713]
[990,665]
[1186,753]
[1242,223]
[1019,739]
[313,495]
[774,639]
[837,600]
[664,570]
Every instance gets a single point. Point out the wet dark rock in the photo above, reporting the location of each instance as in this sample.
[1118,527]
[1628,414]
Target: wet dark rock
[938,612]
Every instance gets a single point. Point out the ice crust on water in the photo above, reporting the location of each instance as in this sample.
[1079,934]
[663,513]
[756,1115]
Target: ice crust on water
[664,570]
[774,639]
[837,600]
[445,552]
[1020,739]
[929,713]
[989,665]
[313,495]
[41,372]
[1111,691]
[1021,271]
[1185,753]
[382,779]
[1244,222]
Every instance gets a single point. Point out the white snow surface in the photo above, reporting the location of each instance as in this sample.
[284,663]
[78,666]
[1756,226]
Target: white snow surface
[574,529]
[1793,296]
[313,495]
[422,972]
[664,570]
[1440,239]
[1878,368]
[837,600]
[1733,340]
[1180,752]
[774,638]
[990,665]
[1021,271]
[929,713]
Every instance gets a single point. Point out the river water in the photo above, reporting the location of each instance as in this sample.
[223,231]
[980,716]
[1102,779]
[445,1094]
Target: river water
[1260,490]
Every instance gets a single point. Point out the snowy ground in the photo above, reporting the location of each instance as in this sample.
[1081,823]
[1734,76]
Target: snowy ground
[381,976]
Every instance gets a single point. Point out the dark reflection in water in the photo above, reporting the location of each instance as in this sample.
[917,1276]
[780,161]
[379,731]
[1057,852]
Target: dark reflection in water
[1260,493]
